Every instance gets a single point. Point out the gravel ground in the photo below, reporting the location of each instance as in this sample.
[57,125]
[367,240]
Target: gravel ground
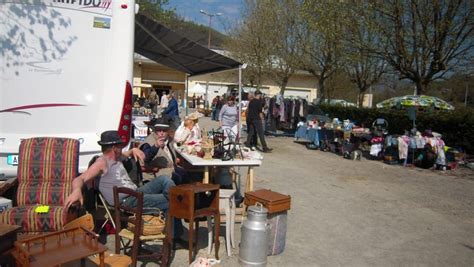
[361,213]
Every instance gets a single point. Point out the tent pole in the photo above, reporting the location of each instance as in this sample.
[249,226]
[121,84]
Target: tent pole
[186,92]
[239,110]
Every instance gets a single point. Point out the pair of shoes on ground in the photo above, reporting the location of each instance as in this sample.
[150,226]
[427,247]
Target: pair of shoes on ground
[251,147]
[265,150]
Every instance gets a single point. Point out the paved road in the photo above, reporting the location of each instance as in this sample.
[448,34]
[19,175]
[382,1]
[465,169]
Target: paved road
[366,213]
[362,213]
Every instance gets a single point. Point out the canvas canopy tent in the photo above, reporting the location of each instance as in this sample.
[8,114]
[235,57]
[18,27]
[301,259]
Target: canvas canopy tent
[158,43]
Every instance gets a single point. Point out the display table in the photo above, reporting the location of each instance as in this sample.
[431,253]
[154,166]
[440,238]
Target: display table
[200,162]
[58,248]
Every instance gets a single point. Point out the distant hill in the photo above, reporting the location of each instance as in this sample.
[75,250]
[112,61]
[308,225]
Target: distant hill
[195,32]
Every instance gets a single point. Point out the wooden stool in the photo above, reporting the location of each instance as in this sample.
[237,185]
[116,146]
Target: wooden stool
[191,202]
[227,201]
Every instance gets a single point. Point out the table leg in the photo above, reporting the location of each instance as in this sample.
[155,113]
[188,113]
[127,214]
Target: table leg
[206,175]
[228,221]
[102,259]
[232,220]
[217,222]
[209,235]
[249,182]
[191,239]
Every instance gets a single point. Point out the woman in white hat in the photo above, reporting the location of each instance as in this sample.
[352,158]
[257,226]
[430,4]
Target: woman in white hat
[195,131]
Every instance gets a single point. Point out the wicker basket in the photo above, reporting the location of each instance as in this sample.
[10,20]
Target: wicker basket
[152,225]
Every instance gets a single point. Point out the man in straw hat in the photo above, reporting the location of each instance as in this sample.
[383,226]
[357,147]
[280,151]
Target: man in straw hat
[255,118]
[112,173]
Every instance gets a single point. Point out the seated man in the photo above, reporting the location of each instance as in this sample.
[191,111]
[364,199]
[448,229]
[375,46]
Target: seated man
[159,153]
[112,173]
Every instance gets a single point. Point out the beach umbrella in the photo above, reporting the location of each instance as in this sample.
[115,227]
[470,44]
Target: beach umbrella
[415,101]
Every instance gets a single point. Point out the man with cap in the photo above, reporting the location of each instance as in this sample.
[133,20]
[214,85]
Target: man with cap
[112,173]
[159,153]
[255,118]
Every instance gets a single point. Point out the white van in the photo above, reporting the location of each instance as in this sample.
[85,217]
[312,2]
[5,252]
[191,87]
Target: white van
[65,71]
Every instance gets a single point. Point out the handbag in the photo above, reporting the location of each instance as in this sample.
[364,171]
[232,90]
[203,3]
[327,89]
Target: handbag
[151,224]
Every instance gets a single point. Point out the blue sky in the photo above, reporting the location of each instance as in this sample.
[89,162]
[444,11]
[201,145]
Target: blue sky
[189,9]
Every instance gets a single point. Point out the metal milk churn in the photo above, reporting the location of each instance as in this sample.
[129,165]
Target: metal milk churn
[255,234]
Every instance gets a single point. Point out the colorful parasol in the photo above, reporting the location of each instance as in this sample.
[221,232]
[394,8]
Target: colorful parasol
[422,101]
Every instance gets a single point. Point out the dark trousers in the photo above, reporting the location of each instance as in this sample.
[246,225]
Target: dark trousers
[256,128]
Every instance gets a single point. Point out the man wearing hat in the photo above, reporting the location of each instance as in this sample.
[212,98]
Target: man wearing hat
[255,118]
[159,153]
[112,173]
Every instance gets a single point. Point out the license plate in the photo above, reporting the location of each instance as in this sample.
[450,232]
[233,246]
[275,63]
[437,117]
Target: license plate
[12,160]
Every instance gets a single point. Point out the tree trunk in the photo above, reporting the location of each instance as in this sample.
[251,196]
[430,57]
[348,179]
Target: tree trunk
[322,89]
[284,83]
[420,87]
[360,98]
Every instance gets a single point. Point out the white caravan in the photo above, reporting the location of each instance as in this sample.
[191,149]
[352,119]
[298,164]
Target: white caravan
[65,71]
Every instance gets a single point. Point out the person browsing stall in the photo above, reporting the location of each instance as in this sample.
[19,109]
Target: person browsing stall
[112,173]
[228,116]
[255,118]
[171,113]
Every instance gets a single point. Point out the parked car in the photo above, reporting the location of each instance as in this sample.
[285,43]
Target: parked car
[334,102]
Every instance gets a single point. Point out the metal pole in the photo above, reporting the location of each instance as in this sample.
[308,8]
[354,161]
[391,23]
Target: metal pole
[186,92]
[239,110]
[209,38]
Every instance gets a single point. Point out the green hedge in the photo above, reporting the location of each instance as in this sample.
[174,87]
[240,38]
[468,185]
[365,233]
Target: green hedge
[457,127]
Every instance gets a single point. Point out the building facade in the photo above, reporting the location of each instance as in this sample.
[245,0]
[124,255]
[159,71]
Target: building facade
[149,74]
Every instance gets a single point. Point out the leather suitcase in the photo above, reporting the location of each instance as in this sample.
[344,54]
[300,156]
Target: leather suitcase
[273,201]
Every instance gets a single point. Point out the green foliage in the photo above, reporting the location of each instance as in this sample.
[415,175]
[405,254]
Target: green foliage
[456,127]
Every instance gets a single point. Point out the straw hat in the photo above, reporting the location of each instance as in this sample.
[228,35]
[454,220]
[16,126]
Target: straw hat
[194,116]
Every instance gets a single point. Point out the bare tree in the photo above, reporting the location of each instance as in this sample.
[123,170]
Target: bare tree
[364,68]
[321,37]
[423,40]
[250,43]
[284,28]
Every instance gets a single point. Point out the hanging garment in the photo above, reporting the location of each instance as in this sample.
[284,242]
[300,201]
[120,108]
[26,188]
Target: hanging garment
[441,156]
[402,148]
[375,149]
[301,110]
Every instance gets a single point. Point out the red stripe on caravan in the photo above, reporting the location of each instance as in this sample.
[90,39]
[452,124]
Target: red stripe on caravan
[49,105]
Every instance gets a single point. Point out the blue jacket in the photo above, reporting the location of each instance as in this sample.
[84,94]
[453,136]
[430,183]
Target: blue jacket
[172,108]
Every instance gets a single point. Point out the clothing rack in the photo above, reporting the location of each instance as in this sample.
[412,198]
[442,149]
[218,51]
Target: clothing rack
[283,114]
